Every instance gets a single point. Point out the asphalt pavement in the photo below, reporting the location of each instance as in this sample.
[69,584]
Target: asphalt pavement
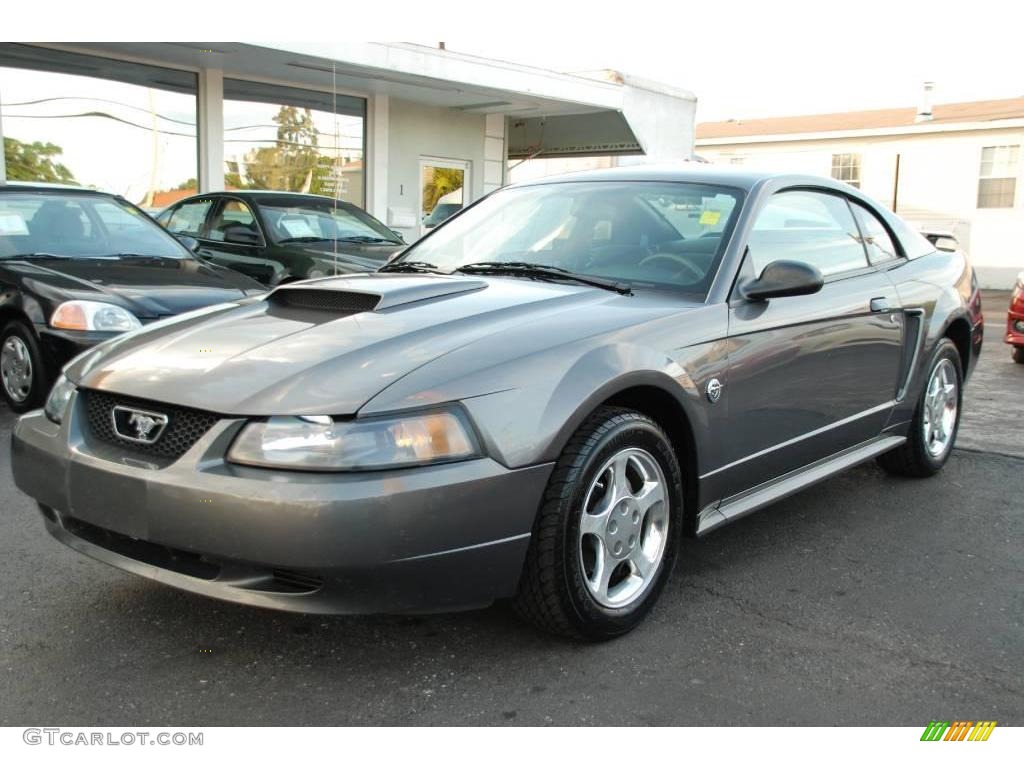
[868,600]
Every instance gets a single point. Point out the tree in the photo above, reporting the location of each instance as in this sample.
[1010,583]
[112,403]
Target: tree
[441,182]
[35,162]
[290,165]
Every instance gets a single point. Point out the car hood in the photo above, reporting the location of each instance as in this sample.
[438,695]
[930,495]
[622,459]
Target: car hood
[147,287]
[321,347]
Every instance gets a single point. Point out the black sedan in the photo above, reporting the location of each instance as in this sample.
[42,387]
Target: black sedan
[279,237]
[78,267]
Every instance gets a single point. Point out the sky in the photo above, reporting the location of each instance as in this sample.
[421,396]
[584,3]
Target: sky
[784,58]
[742,59]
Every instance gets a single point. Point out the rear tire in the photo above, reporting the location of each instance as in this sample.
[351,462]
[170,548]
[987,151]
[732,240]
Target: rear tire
[23,380]
[607,533]
[933,429]
[1018,355]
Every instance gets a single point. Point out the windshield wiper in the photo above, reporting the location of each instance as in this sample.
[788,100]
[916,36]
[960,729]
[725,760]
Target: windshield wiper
[368,239]
[39,255]
[542,271]
[348,239]
[410,266]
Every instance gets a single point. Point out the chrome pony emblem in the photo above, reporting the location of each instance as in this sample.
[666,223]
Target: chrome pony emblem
[713,390]
[137,426]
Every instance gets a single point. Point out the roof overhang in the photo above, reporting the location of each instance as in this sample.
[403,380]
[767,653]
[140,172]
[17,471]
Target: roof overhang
[607,113]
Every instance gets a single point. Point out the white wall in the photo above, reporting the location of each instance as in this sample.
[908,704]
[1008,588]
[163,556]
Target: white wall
[938,186]
[418,130]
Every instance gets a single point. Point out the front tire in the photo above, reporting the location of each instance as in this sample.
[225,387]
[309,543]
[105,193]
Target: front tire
[607,532]
[1018,355]
[936,419]
[23,380]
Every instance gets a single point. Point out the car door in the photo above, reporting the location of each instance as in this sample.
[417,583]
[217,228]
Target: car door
[187,218]
[233,238]
[808,375]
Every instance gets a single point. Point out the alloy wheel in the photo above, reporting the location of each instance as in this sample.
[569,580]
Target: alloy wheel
[941,403]
[624,528]
[16,369]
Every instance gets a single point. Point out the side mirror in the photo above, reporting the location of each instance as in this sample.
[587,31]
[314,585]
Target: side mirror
[783,278]
[189,242]
[241,236]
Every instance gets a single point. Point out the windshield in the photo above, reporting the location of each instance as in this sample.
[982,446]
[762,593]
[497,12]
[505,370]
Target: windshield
[311,221]
[646,234]
[79,226]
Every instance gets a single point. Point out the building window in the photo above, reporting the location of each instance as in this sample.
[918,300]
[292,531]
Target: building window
[997,181]
[846,167]
[130,129]
[293,140]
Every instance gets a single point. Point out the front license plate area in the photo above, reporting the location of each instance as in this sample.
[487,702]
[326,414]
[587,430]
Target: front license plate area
[110,501]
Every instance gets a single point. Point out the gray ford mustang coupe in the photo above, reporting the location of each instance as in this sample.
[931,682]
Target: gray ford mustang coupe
[535,401]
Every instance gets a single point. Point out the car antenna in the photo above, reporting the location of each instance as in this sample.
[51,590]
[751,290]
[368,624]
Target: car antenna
[337,162]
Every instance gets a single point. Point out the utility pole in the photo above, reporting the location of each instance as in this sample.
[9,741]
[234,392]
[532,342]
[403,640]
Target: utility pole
[156,153]
[896,185]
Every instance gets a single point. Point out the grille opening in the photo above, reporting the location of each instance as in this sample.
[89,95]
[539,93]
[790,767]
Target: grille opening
[286,580]
[328,301]
[184,425]
[171,559]
[253,577]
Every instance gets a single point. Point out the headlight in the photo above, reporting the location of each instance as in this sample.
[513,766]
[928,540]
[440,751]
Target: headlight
[93,316]
[57,402]
[321,443]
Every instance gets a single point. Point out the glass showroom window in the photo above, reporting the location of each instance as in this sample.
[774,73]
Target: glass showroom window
[846,167]
[997,181]
[122,136]
[293,140]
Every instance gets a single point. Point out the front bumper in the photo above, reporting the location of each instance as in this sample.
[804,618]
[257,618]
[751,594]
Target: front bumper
[435,538]
[60,346]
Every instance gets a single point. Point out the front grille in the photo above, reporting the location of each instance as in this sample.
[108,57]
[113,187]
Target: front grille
[184,425]
[342,302]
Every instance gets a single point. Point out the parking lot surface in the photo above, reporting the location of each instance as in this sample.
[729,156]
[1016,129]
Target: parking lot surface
[868,600]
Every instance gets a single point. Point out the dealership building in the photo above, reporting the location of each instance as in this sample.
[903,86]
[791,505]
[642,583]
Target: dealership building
[953,168]
[394,128]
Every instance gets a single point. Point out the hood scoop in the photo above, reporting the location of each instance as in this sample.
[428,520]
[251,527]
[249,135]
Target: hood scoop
[338,302]
[369,292]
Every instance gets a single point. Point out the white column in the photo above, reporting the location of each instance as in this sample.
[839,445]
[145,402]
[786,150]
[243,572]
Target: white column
[376,161]
[210,130]
[495,152]
[3,166]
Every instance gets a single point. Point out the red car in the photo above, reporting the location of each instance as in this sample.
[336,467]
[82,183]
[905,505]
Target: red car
[1015,320]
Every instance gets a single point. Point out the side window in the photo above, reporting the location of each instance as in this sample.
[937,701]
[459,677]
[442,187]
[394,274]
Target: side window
[814,227]
[164,217]
[876,237]
[188,218]
[233,215]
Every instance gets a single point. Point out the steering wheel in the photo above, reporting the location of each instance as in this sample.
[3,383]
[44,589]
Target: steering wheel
[680,262]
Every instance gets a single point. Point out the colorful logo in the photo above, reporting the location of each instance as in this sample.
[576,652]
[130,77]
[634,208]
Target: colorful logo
[960,730]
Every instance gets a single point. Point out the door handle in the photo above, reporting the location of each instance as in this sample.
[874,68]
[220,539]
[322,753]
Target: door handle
[881,304]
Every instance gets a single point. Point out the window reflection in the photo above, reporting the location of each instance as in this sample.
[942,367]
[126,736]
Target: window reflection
[134,140]
[291,140]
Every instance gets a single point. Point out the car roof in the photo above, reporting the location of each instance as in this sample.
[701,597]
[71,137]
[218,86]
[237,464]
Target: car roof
[701,173]
[43,186]
[263,193]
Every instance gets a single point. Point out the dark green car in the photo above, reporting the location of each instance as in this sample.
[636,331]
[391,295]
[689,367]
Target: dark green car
[278,237]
